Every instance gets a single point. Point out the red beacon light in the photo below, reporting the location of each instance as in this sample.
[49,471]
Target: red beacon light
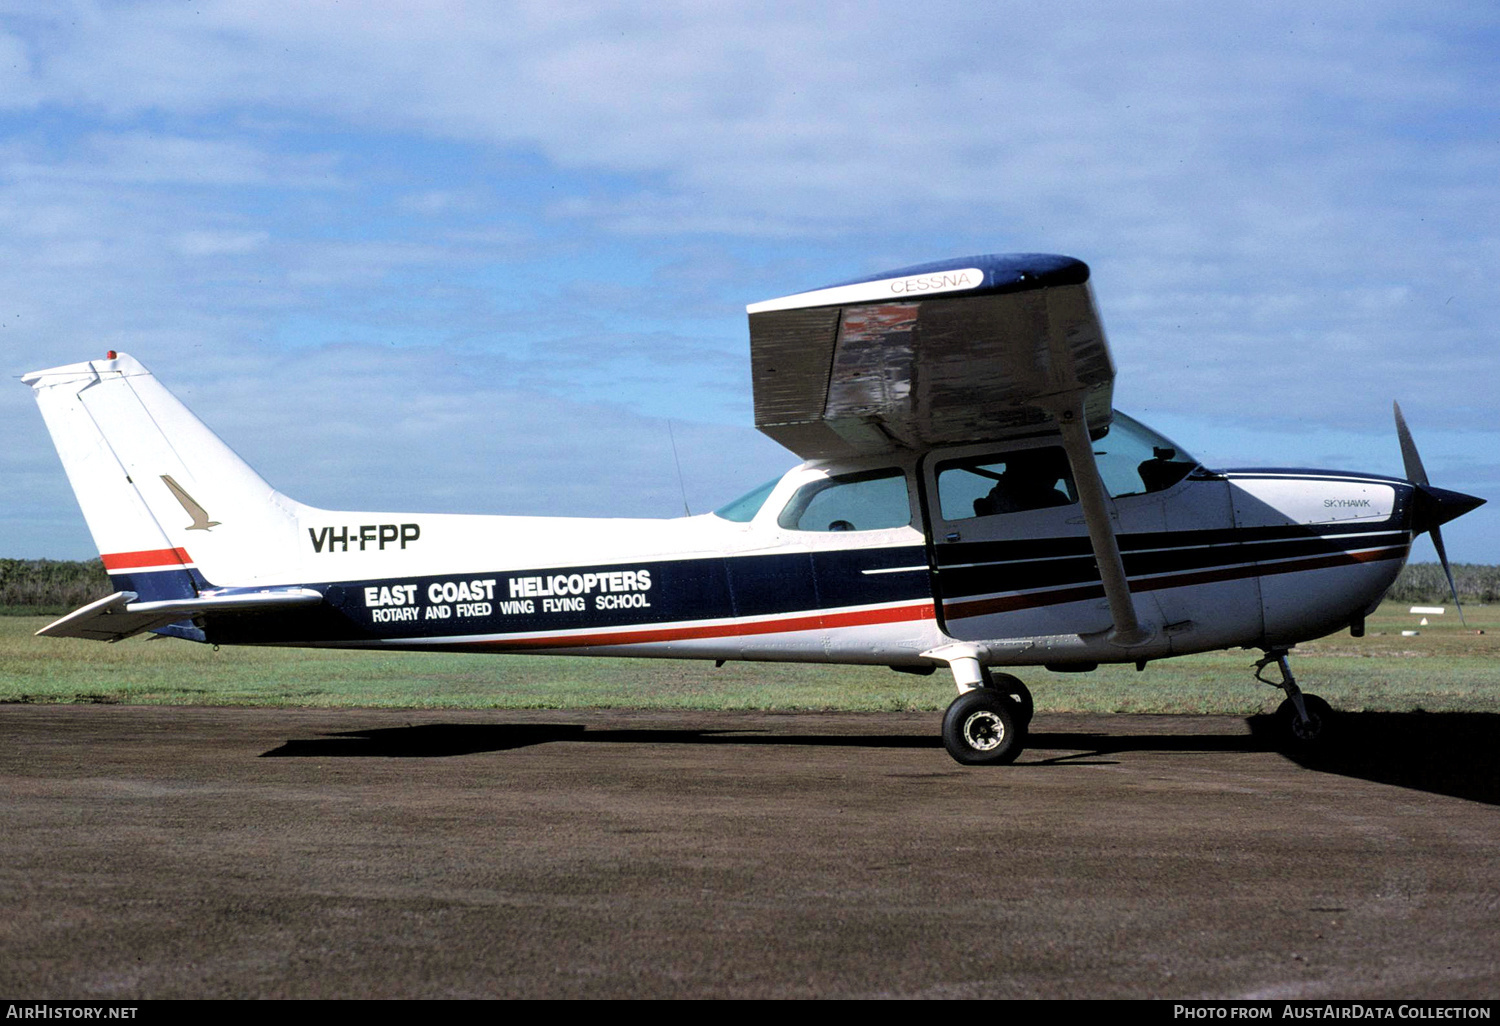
[111,355]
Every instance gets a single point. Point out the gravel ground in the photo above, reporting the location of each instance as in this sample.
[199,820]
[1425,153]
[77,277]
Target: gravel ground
[164,852]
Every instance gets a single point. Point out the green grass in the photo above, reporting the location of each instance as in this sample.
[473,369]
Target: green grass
[1444,668]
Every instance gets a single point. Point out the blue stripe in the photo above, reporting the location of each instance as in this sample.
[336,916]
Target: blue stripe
[1003,272]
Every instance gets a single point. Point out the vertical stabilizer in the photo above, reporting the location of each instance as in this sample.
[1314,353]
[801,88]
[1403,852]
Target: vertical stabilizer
[162,494]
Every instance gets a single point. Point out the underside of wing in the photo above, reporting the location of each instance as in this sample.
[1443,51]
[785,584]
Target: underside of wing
[975,349]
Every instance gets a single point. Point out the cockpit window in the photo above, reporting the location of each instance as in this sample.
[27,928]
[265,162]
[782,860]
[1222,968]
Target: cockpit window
[1012,482]
[743,509]
[1134,460]
[851,502]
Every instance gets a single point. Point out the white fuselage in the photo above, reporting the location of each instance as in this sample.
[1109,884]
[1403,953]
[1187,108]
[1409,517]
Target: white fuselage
[1245,558]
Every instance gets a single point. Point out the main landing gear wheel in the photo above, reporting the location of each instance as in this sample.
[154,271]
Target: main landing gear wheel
[1016,691]
[983,727]
[1315,730]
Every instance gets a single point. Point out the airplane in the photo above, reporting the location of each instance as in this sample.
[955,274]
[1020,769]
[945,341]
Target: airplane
[968,500]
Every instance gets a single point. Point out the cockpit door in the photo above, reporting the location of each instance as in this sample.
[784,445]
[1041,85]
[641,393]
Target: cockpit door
[1009,553]
[1010,556]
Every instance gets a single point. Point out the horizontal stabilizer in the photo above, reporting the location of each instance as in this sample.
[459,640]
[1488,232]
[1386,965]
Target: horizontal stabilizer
[120,616]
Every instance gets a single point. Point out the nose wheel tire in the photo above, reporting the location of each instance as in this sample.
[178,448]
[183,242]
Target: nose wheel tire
[983,727]
[1315,731]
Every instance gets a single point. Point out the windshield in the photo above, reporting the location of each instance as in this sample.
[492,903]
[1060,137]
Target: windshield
[743,509]
[1133,459]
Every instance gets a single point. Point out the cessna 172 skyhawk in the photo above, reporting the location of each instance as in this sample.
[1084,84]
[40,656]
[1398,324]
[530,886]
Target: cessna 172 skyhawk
[969,500]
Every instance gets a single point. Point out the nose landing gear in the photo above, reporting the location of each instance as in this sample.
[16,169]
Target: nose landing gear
[1306,719]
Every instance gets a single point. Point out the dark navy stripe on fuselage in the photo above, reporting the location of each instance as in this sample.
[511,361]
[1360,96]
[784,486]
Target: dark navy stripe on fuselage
[591,598]
[160,585]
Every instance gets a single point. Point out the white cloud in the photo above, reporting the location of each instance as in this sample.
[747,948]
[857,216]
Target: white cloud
[219,243]
[437,202]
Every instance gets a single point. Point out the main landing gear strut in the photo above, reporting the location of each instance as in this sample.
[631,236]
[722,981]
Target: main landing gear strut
[1306,719]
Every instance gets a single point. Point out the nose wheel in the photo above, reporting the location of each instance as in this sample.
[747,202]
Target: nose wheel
[1305,732]
[1306,720]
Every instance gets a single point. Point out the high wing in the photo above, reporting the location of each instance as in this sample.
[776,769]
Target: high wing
[976,349]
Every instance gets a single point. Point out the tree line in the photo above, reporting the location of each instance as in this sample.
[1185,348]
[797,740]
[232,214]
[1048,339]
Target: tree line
[50,586]
[1425,583]
[54,587]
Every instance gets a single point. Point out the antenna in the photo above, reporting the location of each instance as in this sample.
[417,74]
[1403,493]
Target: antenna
[678,464]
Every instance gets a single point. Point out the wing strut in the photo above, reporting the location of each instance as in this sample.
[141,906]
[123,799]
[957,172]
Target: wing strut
[1080,450]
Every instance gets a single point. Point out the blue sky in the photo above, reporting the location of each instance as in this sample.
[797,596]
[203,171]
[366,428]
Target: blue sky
[475,257]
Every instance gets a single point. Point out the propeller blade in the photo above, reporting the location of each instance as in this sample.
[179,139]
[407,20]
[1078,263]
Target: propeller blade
[1415,472]
[1437,543]
[1417,475]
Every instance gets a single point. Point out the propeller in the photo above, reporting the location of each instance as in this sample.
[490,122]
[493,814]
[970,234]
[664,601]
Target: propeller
[1434,506]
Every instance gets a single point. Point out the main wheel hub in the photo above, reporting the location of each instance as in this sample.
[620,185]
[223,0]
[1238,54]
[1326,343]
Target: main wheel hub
[984,731]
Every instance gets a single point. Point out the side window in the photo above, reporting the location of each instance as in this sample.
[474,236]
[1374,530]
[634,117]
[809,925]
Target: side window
[1012,482]
[743,509]
[852,502]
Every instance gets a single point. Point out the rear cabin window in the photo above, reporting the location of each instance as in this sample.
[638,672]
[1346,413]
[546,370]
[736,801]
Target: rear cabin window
[743,509]
[851,502]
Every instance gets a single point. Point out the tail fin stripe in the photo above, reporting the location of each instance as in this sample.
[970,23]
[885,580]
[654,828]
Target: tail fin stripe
[117,561]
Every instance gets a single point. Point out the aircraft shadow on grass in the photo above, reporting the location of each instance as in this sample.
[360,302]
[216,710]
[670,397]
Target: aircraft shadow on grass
[1452,754]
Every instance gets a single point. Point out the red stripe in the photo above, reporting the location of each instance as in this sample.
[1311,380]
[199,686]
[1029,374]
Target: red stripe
[149,557]
[724,630]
